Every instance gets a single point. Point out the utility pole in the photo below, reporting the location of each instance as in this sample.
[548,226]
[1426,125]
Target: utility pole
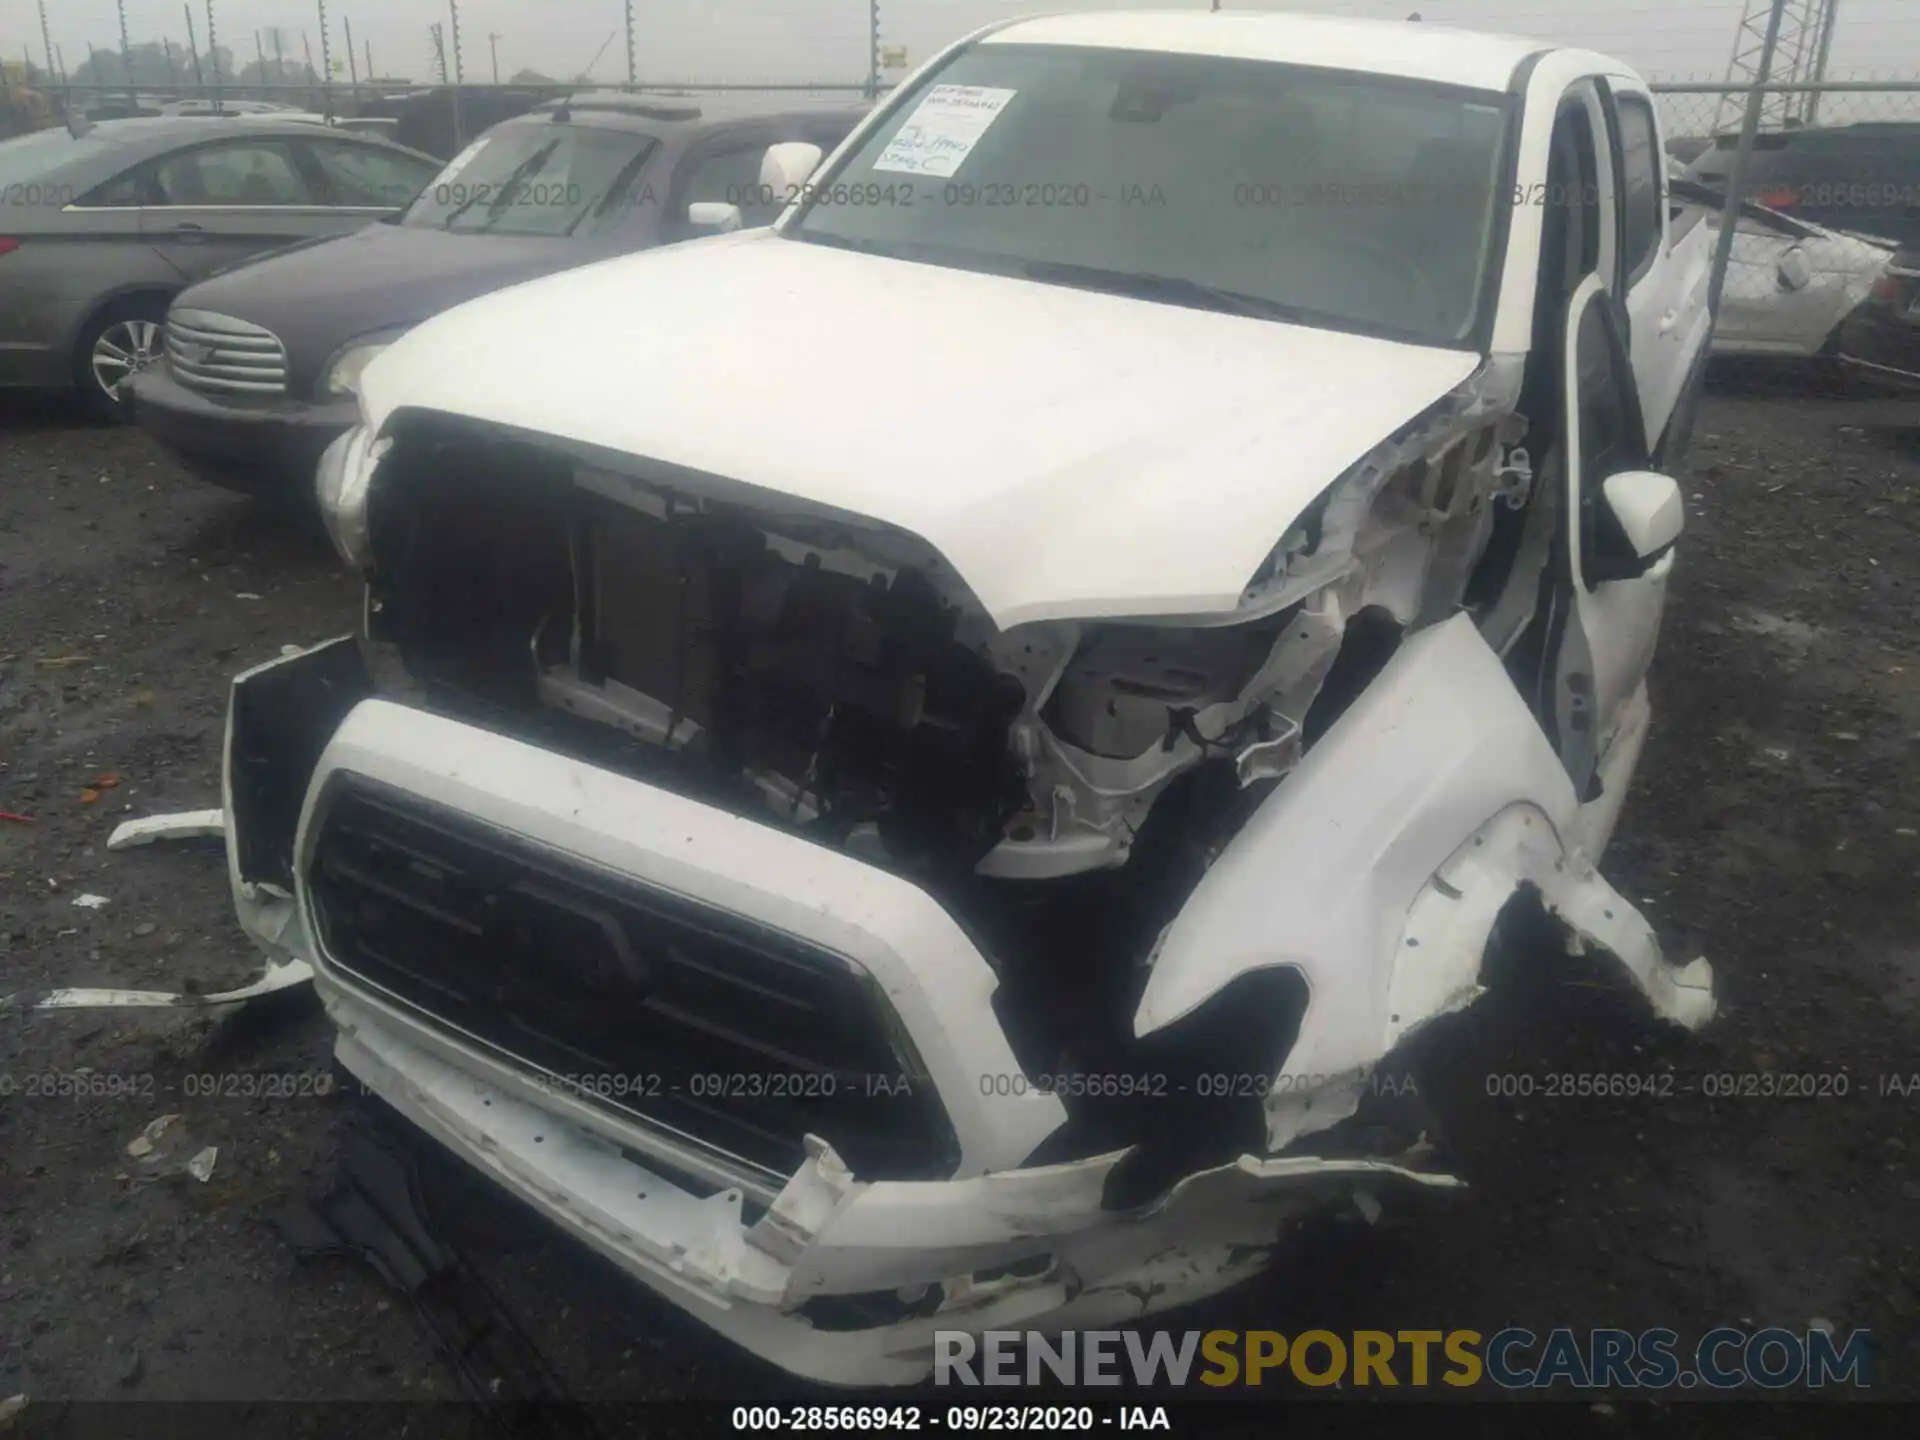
[493,44]
[173,76]
[193,48]
[459,60]
[279,57]
[326,58]
[261,56]
[459,73]
[1823,54]
[353,70]
[1729,215]
[371,72]
[440,59]
[633,74]
[213,57]
[126,61]
[873,49]
[46,36]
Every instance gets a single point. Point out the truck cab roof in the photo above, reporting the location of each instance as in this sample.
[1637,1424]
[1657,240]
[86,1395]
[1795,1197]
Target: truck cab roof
[1421,51]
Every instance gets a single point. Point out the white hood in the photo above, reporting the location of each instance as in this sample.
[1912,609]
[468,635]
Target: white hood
[1071,454]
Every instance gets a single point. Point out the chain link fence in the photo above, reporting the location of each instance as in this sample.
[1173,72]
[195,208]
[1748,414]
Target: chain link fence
[1816,306]
[436,118]
[349,98]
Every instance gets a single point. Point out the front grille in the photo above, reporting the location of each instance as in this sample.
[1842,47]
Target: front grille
[224,356]
[739,1038]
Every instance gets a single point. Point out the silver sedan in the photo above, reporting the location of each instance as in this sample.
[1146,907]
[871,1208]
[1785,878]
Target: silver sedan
[100,229]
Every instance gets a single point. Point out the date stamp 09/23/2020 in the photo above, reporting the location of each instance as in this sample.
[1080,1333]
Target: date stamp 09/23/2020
[1824,1085]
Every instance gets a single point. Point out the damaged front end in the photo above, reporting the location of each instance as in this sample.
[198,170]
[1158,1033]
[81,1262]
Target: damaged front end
[709,869]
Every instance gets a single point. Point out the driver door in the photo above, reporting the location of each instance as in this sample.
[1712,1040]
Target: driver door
[1605,601]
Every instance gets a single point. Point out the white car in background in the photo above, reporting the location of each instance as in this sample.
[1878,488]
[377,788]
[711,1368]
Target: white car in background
[1789,283]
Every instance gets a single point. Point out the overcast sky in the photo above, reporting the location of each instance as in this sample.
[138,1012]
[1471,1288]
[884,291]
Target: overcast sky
[827,39]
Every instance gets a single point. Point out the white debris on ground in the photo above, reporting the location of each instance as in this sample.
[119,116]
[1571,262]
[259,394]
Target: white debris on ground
[168,1147]
[142,1145]
[281,975]
[183,825]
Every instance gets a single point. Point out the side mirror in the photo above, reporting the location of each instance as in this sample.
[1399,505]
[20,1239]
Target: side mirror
[786,167]
[715,215]
[1795,273]
[1648,511]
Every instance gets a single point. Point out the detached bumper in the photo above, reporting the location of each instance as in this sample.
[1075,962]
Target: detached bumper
[267,449]
[828,1235]
[831,1276]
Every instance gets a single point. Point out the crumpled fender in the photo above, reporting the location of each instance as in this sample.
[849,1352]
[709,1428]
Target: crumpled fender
[1378,867]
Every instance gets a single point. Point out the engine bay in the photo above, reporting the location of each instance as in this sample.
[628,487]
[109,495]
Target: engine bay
[821,674]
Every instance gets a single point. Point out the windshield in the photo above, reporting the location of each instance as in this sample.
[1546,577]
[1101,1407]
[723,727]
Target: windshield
[35,156]
[1341,200]
[537,179]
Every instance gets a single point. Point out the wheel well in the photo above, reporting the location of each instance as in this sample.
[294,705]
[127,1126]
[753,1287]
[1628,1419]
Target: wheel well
[77,358]
[116,301]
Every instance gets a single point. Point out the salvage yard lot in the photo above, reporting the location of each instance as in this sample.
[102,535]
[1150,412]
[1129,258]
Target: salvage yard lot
[1772,828]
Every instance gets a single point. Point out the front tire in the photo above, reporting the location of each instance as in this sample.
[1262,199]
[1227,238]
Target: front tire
[117,344]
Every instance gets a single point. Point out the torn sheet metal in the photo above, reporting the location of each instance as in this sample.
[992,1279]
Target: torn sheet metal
[277,976]
[1448,799]
[181,825]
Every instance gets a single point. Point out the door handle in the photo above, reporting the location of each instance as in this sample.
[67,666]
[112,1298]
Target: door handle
[188,232]
[1668,321]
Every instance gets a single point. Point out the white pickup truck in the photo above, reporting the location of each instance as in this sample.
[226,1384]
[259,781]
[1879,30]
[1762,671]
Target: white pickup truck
[911,771]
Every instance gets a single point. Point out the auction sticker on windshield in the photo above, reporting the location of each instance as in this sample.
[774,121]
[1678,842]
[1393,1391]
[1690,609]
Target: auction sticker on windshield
[943,129]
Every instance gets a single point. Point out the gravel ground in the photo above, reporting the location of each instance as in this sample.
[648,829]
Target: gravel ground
[1772,828]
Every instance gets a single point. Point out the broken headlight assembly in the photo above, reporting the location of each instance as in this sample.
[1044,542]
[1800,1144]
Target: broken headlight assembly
[1131,690]
[341,484]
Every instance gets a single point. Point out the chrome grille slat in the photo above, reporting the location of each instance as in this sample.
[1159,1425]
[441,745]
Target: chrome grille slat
[236,344]
[229,372]
[221,354]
